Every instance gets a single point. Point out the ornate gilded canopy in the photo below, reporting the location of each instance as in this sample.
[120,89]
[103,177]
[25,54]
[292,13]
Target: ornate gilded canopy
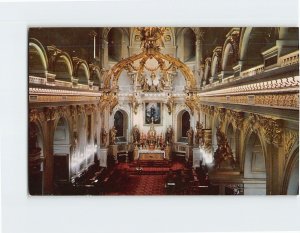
[151,41]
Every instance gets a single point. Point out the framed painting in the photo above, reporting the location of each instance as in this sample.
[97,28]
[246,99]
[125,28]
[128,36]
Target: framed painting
[153,113]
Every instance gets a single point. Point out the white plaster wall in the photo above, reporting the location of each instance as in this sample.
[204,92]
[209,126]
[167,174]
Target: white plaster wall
[255,189]
[293,186]
[178,82]
[125,83]
[61,144]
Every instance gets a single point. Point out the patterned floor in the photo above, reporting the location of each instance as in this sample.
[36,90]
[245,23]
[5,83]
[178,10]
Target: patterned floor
[142,184]
[145,185]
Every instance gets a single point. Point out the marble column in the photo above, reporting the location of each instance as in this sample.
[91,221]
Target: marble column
[198,58]
[199,52]
[93,35]
[103,53]
[124,52]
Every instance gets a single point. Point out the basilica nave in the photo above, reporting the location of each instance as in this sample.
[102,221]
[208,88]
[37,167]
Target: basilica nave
[163,111]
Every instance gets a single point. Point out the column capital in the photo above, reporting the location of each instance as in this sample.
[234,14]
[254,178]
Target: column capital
[199,33]
[92,33]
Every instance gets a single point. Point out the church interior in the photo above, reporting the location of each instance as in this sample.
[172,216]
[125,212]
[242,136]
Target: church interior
[163,111]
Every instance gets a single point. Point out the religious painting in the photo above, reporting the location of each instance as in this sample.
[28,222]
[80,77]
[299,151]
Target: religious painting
[152,113]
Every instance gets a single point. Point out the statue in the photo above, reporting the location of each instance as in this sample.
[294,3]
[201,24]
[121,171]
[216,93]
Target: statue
[151,37]
[103,137]
[136,134]
[169,135]
[113,133]
[190,135]
[151,137]
[223,155]
[199,134]
[134,104]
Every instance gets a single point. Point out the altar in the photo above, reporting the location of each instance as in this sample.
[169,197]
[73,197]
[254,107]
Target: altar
[151,154]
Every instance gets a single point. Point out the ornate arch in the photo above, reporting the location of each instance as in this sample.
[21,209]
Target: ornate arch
[216,61]
[68,120]
[68,61]
[41,51]
[232,40]
[126,64]
[126,116]
[180,32]
[207,69]
[105,32]
[253,127]
[180,110]
[77,64]
[95,70]
[291,162]
[120,108]
[243,45]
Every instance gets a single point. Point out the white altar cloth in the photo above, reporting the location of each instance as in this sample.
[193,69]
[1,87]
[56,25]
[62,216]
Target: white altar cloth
[144,151]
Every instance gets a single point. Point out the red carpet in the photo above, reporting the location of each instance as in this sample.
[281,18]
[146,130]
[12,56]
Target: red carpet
[148,181]
[143,185]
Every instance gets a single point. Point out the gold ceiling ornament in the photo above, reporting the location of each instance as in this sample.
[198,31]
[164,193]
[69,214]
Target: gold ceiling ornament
[89,108]
[236,117]
[73,111]
[62,111]
[80,109]
[113,101]
[272,129]
[192,101]
[104,101]
[50,113]
[111,80]
[34,115]
[220,112]
[134,103]
[151,38]
[151,41]
[209,110]
[291,137]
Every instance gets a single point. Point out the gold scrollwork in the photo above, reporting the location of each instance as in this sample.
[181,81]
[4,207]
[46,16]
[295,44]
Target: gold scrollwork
[290,138]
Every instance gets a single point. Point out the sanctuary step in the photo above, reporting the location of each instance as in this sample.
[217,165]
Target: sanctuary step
[148,170]
[151,163]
